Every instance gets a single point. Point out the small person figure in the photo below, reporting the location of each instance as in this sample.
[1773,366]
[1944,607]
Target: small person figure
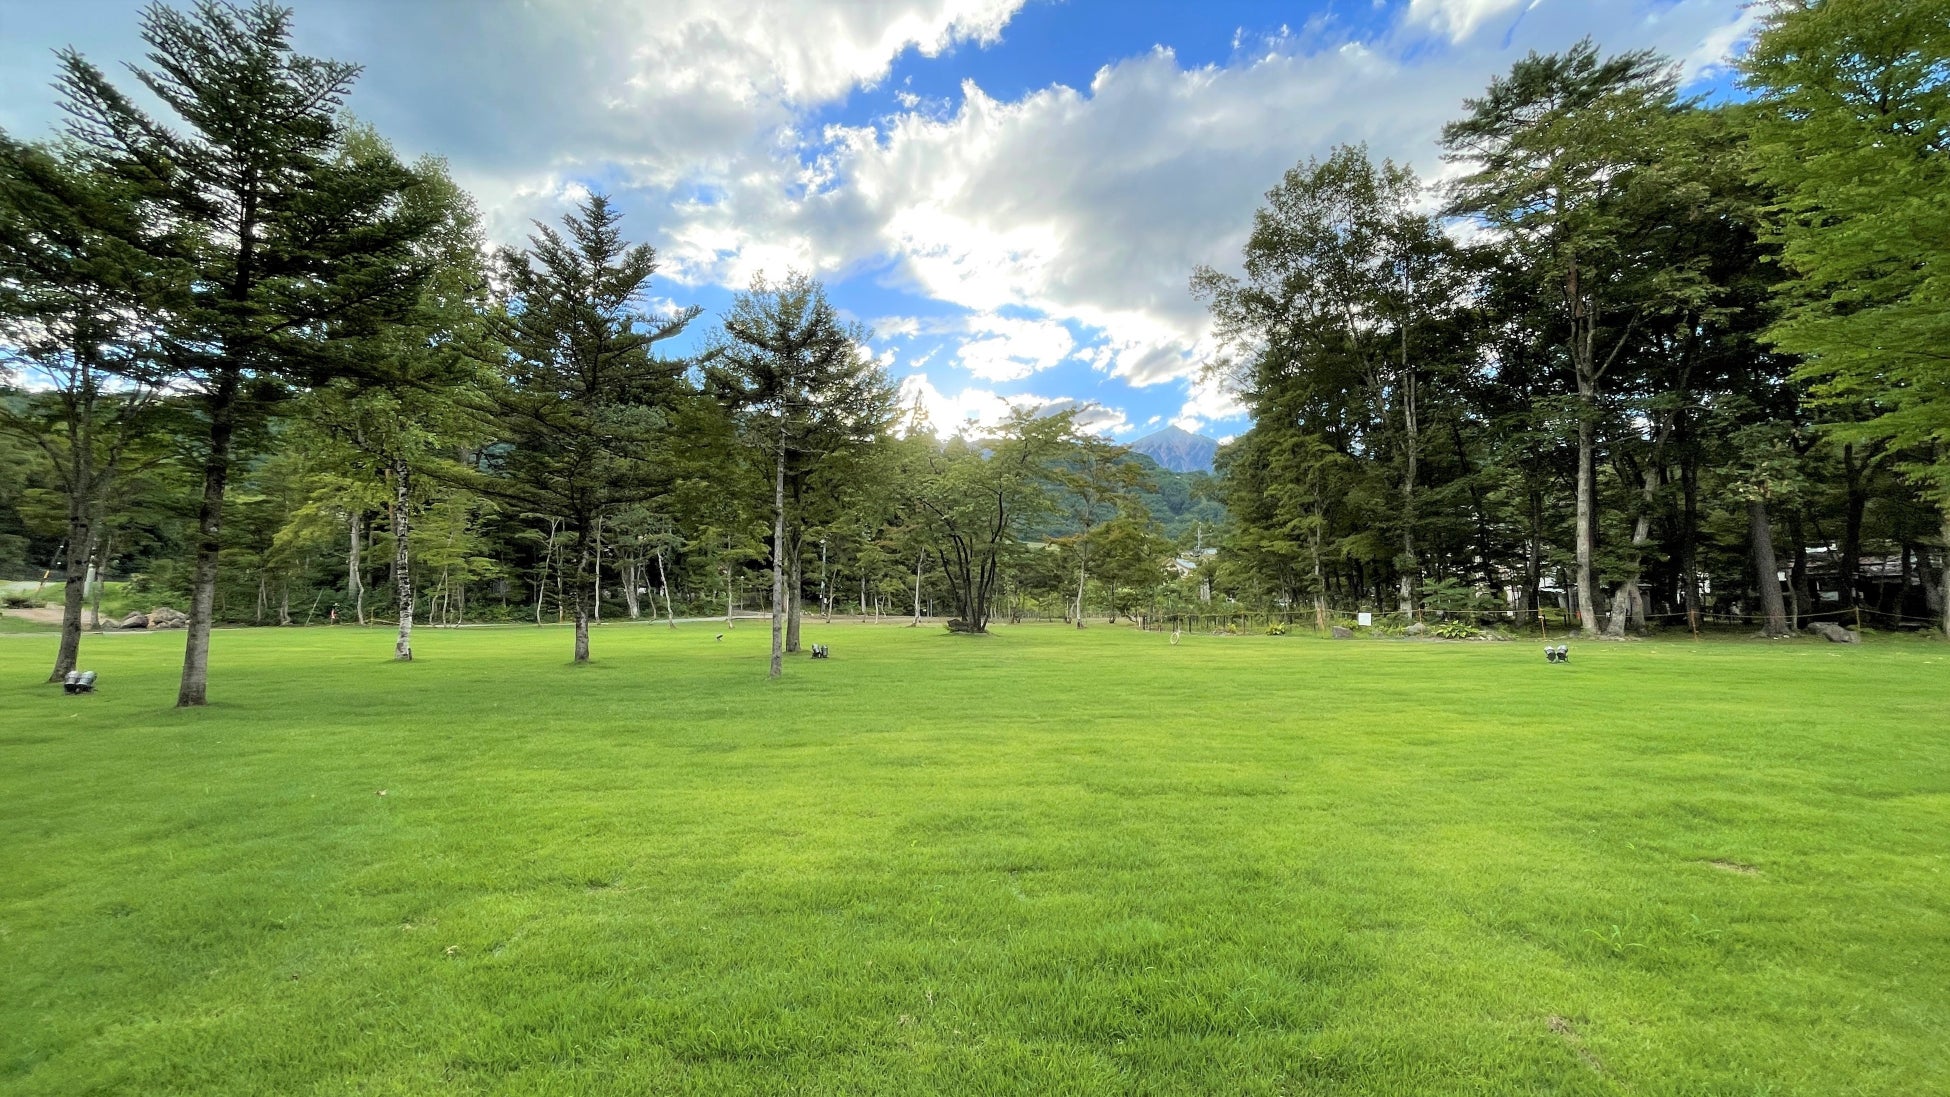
[1174,636]
[335,613]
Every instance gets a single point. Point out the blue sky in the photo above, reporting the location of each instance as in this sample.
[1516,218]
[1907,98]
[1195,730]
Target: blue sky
[1012,193]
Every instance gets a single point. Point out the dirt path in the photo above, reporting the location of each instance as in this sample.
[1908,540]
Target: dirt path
[46,615]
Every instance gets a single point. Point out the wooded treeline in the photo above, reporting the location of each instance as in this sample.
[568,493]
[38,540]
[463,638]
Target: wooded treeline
[1639,358]
[278,377]
[1643,359]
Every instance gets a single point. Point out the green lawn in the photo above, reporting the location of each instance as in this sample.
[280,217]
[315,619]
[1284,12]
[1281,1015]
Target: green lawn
[1042,863]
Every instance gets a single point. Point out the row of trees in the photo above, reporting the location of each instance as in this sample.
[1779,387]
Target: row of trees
[254,351]
[1636,344]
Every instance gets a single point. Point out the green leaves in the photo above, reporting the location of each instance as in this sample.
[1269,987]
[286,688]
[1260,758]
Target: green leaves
[1852,128]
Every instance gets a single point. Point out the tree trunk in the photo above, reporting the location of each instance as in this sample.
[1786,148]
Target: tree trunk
[1902,585]
[794,598]
[778,558]
[355,587]
[1689,533]
[1587,510]
[1533,559]
[1412,443]
[1083,565]
[584,588]
[663,584]
[918,562]
[630,572]
[1767,570]
[74,588]
[1627,595]
[101,576]
[596,602]
[1943,574]
[1804,595]
[1849,567]
[541,581]
[1320,579]
[194,688]
[403,560]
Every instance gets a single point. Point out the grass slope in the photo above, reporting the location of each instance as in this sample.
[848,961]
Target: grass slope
[1044,862]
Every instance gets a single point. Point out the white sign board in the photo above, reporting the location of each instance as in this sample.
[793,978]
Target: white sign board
[1365,620]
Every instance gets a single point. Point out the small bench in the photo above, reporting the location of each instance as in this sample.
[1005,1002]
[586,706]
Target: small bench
[821,651]
[79,681]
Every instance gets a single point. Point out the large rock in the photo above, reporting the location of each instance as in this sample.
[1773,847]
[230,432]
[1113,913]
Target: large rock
[1340,633]
[164,617]
[1416,629]
[133,620]
[1834,633]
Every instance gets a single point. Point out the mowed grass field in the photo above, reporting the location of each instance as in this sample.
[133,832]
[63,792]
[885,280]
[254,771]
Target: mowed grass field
[1044,862]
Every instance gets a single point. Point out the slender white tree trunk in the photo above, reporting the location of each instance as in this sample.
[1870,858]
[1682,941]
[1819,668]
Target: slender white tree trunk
[918,562]
[1587,502]
[403,560]
[663,584]
[548,560]
[355,586]
[101,576]
[778,558]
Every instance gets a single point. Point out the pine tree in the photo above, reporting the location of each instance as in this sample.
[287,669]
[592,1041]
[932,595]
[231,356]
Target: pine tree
[580,422]
[806,390]
[276,250]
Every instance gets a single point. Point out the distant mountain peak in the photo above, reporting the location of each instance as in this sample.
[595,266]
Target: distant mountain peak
[1178,449]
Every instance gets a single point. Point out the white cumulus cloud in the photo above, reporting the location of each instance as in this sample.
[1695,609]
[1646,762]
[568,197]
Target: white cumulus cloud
[1459,18]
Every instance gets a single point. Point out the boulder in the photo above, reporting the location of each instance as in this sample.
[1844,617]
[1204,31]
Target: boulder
[164,617]
[1416,629]
[1834,633]
[1340,633]
[133,620]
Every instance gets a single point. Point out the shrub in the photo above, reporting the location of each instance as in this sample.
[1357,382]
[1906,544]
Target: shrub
[1453,596]
[19,601]
[1276,629]
[1454,630]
